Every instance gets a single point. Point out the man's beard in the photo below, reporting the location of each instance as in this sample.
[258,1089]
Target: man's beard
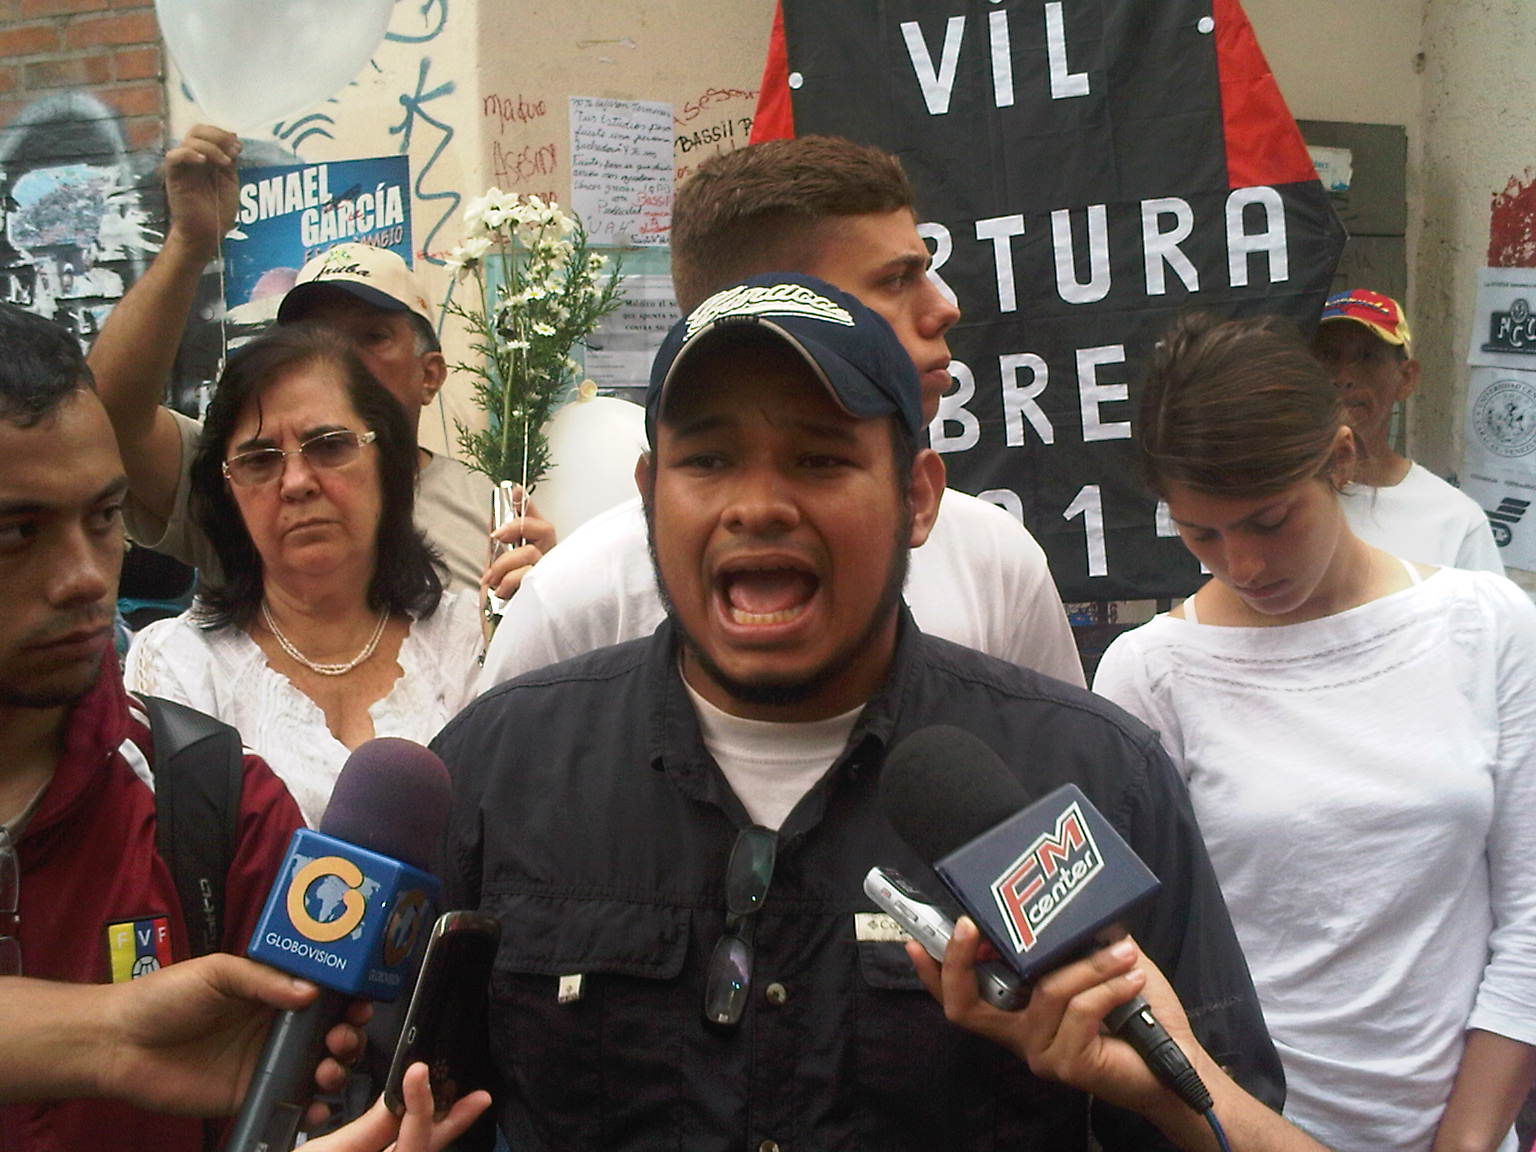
[786,692]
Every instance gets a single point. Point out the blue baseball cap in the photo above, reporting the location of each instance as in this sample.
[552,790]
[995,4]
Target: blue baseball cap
[851,350]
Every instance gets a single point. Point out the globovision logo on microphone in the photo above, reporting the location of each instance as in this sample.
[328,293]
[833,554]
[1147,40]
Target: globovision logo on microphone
[342,902]
[1047,877]
[344,916]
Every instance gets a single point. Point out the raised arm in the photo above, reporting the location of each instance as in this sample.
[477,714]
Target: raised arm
[133,356]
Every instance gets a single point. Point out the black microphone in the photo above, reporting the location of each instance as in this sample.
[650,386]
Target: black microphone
[1042,881]
[346,910]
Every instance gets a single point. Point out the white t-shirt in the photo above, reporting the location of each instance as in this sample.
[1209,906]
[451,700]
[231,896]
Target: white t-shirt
[1423,518]
[771,764]
[225,674]
[1366,785]
[979,580]
[453,509]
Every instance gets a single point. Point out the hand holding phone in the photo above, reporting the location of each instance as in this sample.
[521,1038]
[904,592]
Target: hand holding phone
[932,927]
[445,1026]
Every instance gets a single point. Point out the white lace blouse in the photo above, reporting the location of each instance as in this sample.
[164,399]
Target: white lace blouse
[225,674]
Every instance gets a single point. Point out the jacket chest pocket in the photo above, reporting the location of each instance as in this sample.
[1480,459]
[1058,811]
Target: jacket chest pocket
[586,1018]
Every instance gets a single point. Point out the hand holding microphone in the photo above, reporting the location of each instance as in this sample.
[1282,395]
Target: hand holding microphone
[346,910]
[1045,882]
[1060,1032]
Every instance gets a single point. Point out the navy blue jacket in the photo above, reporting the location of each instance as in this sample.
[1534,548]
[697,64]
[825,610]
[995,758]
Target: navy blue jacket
[590,819]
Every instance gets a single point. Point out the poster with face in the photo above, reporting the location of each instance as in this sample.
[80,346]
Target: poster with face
[1084,173]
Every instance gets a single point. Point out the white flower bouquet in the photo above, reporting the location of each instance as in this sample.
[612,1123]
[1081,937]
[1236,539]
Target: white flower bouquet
[540,290]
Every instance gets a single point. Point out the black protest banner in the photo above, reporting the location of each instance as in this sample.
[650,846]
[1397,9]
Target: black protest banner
[1085,170]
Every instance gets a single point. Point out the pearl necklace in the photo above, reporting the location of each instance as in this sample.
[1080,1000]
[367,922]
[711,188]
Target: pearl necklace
[325,669]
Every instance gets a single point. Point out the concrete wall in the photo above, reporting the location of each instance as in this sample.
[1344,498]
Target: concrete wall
[419,96]
[1457,74]
[475,92]
[705,59]
[1361,61]
[1480,137]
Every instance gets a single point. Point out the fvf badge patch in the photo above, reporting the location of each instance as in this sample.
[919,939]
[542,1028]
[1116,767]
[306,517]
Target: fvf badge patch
[138,947]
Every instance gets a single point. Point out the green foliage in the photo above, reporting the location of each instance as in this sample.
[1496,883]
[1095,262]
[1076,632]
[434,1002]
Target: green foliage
[540,290]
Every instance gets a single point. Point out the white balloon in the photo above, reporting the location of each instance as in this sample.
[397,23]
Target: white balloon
[593,445]
[249,63]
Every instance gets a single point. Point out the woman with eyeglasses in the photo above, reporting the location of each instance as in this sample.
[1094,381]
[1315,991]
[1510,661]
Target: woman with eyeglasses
[1358,734]
[331,626]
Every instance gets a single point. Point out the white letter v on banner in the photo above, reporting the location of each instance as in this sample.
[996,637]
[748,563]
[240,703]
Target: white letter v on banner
[936,86]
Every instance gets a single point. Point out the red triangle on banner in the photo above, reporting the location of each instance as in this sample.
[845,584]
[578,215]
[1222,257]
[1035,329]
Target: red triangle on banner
[1264,146]
[775,115]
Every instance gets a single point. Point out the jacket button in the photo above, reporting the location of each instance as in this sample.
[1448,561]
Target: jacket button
[777,995]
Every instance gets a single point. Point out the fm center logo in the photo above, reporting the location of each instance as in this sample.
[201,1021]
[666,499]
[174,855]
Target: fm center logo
[1046,878]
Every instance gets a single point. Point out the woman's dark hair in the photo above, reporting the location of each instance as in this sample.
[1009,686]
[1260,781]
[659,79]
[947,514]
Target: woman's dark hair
[1239,407]
[405,576]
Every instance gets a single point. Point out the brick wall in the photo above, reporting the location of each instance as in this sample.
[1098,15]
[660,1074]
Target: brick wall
[108,48]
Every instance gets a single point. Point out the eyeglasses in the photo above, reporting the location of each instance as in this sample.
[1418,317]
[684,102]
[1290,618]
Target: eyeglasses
[10,910]
[328,450]
[747,877]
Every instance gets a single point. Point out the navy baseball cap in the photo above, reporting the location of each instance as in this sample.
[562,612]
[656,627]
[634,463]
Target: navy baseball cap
[852,350]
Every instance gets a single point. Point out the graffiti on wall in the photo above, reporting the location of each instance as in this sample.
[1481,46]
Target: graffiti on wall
[423,131]
[1512,224]
[77,228]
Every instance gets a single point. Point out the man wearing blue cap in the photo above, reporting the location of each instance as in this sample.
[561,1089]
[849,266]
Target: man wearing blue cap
[673,831]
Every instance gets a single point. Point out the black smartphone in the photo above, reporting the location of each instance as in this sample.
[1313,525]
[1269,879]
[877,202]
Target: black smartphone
[445,1026]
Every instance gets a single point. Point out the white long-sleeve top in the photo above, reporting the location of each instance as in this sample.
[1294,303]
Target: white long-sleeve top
[1366,785]
[225,674]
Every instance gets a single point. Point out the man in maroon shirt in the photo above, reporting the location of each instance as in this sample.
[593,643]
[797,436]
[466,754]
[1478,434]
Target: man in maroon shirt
[95,901]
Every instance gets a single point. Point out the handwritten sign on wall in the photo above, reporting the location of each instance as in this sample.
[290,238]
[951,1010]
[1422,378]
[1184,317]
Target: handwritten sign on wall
[621,169]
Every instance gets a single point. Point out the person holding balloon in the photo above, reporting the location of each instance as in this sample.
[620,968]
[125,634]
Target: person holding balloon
[367,294]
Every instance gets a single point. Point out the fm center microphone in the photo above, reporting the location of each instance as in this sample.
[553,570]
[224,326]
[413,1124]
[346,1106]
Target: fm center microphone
[1042,880]
[346,910]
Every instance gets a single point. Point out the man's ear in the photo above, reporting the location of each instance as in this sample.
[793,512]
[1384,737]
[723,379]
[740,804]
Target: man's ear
[926,492]
[434,370]
[1408,379]
[1346,458]
[645,477]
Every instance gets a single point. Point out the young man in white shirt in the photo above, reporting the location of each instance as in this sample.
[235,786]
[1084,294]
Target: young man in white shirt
[842,212]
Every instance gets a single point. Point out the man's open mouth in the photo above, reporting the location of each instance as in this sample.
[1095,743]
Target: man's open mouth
[766,595]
